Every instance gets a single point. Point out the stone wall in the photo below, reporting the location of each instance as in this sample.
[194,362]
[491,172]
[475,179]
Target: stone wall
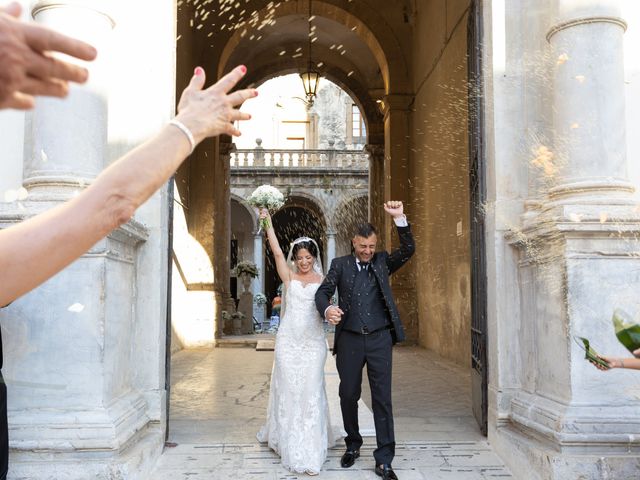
[439,170]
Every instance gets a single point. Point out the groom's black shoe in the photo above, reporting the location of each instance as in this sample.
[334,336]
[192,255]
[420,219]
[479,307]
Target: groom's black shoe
[349,458]
[386,472]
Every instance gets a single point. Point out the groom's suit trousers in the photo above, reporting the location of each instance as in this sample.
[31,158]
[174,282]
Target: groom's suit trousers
[354,350]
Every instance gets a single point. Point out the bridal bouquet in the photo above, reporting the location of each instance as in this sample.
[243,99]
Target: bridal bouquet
[266,196]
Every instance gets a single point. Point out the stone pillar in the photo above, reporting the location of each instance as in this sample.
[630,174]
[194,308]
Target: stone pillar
[376,184]
[589,104]
[396,187]
[579,261]
[222,234]
[258,283]
[68,344]
[77,124]
[331,248]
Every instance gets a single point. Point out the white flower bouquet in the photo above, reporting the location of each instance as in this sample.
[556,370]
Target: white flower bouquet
[266,196]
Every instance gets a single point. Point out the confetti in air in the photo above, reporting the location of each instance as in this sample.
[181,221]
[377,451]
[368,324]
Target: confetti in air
[76,308]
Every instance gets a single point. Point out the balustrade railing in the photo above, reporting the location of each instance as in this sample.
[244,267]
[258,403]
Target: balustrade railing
[316,159]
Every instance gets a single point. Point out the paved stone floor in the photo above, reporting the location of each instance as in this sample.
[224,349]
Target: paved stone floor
[219,398]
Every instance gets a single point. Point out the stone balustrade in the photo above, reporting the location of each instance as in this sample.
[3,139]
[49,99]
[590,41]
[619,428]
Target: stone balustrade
[315,159]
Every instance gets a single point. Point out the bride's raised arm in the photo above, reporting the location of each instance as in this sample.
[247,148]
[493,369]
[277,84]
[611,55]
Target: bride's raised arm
[284,272]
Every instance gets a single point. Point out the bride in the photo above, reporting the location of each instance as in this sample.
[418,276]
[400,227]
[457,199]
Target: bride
[297,426]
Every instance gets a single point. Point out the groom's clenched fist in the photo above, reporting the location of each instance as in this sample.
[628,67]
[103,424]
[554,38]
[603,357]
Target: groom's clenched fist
[333,315]
[394,208]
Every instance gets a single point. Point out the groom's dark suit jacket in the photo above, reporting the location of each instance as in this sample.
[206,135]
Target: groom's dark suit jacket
[342,276]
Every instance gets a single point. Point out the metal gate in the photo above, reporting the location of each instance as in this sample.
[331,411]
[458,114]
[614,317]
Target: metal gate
[478,198]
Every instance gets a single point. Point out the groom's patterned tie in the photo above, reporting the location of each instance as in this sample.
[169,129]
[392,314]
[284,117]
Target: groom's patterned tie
[364,266]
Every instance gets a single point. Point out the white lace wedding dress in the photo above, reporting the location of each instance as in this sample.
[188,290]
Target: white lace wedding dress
[298,425]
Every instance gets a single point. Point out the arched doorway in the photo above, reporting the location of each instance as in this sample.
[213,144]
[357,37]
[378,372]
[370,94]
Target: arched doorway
[300,219]
[412,158]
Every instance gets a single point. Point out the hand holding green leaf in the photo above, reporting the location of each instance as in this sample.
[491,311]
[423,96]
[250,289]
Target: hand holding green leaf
[591,354]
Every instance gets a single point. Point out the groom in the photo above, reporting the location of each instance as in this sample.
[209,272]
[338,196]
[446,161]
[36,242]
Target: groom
[367,326]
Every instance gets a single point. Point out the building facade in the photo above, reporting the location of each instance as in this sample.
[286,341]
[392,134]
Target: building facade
[507,128]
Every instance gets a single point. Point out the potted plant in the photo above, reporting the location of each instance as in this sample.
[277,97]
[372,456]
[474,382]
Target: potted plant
[236,318]
[245,271]
[226,322]
[260,299]
[247,268]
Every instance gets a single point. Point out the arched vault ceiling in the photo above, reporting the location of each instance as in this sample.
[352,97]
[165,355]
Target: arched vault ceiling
[352,35]
[284,45]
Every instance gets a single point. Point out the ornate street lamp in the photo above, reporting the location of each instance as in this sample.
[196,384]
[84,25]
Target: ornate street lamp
[311,77]
[310,80]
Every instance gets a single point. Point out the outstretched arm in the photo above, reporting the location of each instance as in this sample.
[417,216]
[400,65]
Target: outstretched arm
[36,249]
[281,262]
[616,362]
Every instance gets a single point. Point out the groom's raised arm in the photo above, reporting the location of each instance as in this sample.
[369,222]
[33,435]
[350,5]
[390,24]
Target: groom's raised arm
[404,252]
[327,288]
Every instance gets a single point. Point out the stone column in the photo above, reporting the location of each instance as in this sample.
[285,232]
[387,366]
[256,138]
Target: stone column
[222,233]
[245,304]
[589,104]
[258,283]
[331,248]
[376,184]
[396,187]
[68,344]
[77,124]
[579,261]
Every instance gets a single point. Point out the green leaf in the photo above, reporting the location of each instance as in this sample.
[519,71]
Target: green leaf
[590,354]
[627,331]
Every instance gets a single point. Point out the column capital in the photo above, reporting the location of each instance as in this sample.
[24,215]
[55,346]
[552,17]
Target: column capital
[563,25]
[226,148]
[396,102]
[93,6]
[375,150]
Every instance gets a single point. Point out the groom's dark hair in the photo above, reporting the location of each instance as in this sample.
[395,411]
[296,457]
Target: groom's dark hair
[366,230]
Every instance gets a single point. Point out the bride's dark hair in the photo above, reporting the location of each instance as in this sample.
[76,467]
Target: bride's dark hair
[309,246]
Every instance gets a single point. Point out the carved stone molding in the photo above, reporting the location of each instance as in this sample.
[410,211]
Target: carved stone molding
[585,20]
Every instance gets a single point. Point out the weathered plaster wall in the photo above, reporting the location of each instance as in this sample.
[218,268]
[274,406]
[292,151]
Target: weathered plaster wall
[439,178]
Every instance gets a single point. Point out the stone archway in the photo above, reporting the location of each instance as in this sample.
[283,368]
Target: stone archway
[299,218]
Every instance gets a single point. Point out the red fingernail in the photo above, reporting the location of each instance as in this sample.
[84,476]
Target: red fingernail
[243,69]
[198,71]
[255,93]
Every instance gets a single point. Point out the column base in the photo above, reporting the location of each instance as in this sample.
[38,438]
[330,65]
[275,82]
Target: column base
[68,430]
[135,461]
[536,459]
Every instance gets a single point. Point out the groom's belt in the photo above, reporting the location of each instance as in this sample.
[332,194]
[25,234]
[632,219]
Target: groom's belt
[364,330]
